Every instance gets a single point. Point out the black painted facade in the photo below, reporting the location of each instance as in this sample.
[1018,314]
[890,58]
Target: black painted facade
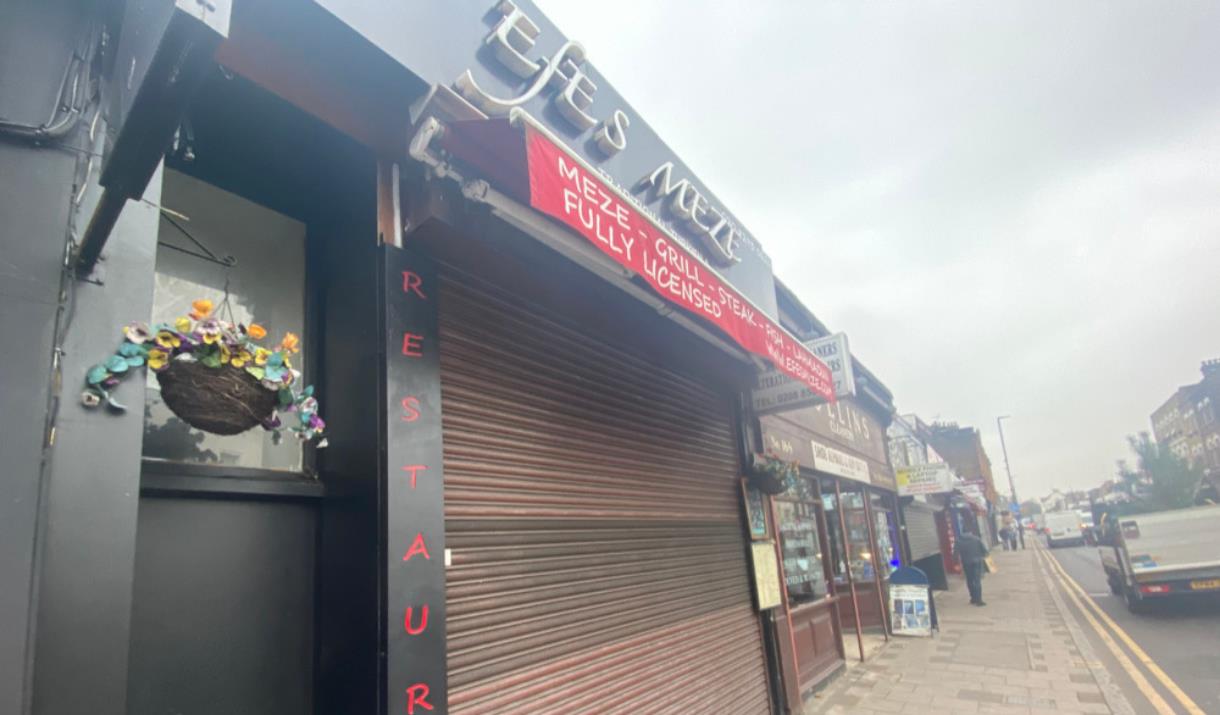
[131,587]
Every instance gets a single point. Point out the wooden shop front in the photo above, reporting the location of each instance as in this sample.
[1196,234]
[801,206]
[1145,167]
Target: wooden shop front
[839,529]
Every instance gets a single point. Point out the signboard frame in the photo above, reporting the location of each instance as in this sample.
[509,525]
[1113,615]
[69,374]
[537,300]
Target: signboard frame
[757,521]
[768,586]
[843,464]
[910,610]
[923,479]
[776,392]
[566,188]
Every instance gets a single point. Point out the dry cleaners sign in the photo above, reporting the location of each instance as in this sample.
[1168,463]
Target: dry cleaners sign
[776,392]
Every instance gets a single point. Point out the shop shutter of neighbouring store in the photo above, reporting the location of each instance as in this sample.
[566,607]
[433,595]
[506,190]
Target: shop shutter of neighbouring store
[592,512]
[920,520]
[984,532]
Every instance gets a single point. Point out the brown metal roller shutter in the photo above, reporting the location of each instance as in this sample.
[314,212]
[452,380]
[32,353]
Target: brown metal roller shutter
[592,513]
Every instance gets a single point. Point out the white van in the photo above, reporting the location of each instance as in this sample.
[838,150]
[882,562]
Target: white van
[1064,527]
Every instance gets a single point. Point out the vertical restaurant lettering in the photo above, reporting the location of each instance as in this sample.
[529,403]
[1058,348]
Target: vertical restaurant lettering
[412,347]
[413,600]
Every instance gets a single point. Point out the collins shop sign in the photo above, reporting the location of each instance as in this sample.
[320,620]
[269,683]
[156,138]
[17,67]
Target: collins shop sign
[561,187]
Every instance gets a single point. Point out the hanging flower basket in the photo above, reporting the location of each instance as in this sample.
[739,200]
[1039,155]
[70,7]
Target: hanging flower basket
[221,400]
[214,375]
[771,475]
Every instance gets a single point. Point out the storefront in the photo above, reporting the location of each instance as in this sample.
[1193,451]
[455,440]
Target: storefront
[965,511]
[531,330]
[925,486]
[840,533]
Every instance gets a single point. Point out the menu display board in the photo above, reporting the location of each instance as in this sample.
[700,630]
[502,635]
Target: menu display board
[766,575]
[910,614]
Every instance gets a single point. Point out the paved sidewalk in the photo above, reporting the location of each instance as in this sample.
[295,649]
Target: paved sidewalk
[1018,654]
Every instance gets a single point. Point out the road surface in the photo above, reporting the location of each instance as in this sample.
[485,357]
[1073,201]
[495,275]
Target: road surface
[1181,641]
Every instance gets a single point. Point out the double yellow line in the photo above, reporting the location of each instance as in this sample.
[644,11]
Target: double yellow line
[1092,613]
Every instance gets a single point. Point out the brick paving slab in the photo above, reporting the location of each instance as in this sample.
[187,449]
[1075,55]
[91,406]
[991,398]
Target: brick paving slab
[1016,656]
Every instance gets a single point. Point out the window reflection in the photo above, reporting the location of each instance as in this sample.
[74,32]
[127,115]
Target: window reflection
[802,550]
[267,285]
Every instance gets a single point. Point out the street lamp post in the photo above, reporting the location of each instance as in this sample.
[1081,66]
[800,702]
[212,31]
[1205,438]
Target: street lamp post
[1012,487]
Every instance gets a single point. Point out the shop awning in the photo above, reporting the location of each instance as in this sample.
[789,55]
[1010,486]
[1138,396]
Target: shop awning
[522,160]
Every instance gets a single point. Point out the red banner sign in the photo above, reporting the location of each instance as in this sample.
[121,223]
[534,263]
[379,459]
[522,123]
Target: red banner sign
[561,187]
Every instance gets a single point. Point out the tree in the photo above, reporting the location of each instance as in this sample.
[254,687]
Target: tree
[1128,480]
[1170,481]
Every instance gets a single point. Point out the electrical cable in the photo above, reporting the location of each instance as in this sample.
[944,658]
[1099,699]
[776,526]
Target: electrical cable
[79,73]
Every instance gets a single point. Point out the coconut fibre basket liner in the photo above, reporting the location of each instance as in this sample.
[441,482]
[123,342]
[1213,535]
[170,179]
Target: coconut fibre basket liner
[769,483]
[222,400]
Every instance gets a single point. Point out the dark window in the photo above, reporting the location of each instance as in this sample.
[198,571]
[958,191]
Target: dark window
[266,285]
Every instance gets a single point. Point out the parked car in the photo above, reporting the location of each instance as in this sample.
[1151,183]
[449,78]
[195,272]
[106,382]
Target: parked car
[1087,529]
[1064,528]
[1162,555]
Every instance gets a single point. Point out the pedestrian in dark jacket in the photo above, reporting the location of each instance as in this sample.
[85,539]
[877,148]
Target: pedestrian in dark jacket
[971,551]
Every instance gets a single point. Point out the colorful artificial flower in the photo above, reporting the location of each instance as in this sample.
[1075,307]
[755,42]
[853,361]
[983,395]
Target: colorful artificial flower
[209,330]
[168,339]
[201,309]
[290,343]
[137,333]
[204,339]
[97,374]
[129,350]
[158,359]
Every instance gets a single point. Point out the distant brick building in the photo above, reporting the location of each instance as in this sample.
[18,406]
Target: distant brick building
[962,448]
[1187,422]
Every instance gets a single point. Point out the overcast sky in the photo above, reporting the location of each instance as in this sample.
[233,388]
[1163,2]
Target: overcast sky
[1010,207]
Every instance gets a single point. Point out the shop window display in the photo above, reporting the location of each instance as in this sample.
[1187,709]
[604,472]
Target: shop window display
[855,518]
[802,550]
[885,530]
